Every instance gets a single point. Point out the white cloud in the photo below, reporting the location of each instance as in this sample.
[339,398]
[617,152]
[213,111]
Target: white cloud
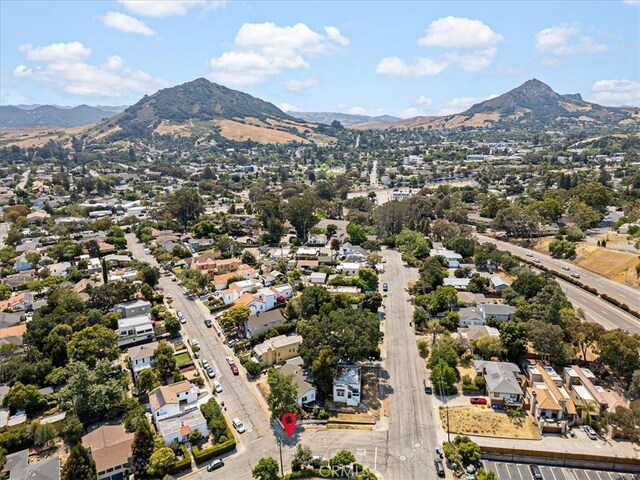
[262,50]
[125,23]
[297,85]
[65,70]
[470,45]
[372,112]
[616,92]
[424,101]
[395,67]
[560,41]
[288,107]
[334,34]
[459,32]
[632,2]
[166,8]
[56,52]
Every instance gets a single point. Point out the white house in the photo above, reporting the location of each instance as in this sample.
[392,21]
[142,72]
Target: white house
[180,427]
[171,400]
[452,258]
[135,330]
[349,268]
[141,357]
[346,385]
[302,379]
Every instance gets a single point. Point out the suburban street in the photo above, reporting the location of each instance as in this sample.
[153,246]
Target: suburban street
[405,450]
[620,292]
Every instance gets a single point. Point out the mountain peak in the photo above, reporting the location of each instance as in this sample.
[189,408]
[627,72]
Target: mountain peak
[535,84]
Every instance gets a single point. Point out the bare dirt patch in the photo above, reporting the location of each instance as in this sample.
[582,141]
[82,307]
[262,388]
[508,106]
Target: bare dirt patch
[613,264]
[242,132]
[479,420]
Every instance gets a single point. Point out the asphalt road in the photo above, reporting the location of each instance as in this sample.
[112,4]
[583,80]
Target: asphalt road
[519,471]
[4,231]
[620,292]
[412,426]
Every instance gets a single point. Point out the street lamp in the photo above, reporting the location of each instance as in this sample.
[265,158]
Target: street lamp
[279,442]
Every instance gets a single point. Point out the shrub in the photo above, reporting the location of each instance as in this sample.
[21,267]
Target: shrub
[184,463]
[215,451]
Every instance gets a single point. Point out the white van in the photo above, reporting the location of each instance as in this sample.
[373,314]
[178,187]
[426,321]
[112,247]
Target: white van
[238,425]
[216,386]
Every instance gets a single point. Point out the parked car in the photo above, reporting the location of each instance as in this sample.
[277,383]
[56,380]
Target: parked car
[439,467]
[195,343]
[427,387]
[234,369]
[536,472]
[216,464]
[478,401]
[211,373]
[147,251]
[385,287]
[238,425]
[180,314]
[207,323]
[230,360]
[591,433]
[217,387]
[205,364]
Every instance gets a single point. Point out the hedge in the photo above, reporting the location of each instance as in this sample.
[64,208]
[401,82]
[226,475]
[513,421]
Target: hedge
[208,453]
[313,473]
[183,464]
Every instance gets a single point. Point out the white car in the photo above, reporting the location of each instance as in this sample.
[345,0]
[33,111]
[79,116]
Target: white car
[194,342]
[238,425]
[147,251]
[564,267]
[591,433]
[529,254]
[537,260]
[230,360]
[205,364]
[217,387]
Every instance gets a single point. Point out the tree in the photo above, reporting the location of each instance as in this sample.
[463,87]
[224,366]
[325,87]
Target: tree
[514,335]
[584,334]
[478,284]
[147,380]
[342,458]
[42,434]
[357,234]
[249,258]
[626,423]
[619,351]
[79,465]
[283,394]
[450,321]
[148,274]
[372,301]
[582,214]
[369,278]
[323,370]
[634,386]
[489,346]
[443,352]
[161,461]
[312,299]
[172,324]
[482,474]
[94,343]
[302,456]
[185,205]
[164,362]
[443,378]
[235,317]
[72,429]
[301,212]
[23,397]
[462,450]
[142,448]
[423,349]
[548,341]
[266,469]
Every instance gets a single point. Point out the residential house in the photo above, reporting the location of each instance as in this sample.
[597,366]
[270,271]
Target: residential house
[307,253]
[499,284]
[318,278]
[141,357]
[110,447]
[453,259]
[171,400]
[22,265]
[503,382]
[474,332]
[347,385]
[317,239]
[480,314]
[590,399]
[18,302]
[276,350]
[204,261]
[349,268]
[117,260]
[178,429]
[17,467]
[457,283]
[37,217]
[302,379]
[355,252]
[135,330]
[267,280]
[59,269]
[547,398]
[255,305]
[133,308]
[12,335]
[8,319]
[263,321]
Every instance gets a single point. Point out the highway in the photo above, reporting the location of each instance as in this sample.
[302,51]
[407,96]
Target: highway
[622,293]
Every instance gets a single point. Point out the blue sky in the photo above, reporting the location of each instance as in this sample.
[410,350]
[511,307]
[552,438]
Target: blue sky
[399,58]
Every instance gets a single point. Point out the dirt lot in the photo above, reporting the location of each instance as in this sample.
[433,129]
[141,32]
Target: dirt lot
[603,261]
[482,420]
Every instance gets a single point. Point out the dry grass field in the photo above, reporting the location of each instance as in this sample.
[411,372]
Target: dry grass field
[482,420]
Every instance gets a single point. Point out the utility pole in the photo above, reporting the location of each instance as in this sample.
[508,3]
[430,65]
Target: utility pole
[281,463]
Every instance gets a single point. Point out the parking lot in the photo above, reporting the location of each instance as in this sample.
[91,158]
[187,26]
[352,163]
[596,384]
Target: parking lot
[519,471]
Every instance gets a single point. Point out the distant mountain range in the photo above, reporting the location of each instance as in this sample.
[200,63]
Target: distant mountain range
[52,115]
[531,105]
[346,119]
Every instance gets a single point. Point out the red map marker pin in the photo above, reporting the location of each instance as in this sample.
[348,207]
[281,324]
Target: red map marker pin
[289,421]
